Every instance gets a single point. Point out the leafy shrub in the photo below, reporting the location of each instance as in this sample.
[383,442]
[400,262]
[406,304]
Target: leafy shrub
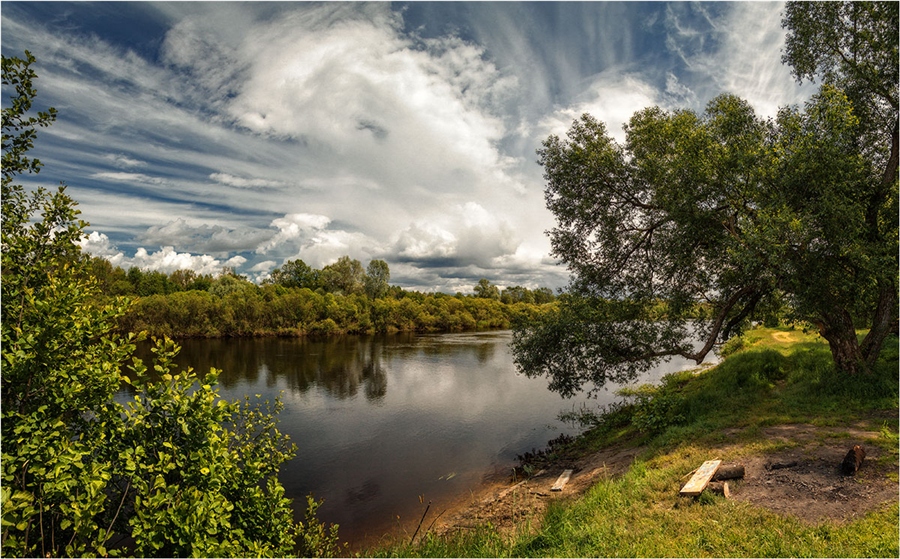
[655,408]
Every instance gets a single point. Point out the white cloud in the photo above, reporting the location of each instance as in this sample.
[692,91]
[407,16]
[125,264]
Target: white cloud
[737,52]
[123,161]
[612,98]
[466,234]
[203,237]
[129,178]
[298,228]
[165,260]
[240,182]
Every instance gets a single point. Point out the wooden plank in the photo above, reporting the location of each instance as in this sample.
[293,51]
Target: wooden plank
[562,481]
[698,482]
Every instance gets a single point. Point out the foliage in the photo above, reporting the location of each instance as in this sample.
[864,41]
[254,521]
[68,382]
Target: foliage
[486,290]
[656,407]
[732,215]
[178,471]
[345,277]
[378,274]
[721,212]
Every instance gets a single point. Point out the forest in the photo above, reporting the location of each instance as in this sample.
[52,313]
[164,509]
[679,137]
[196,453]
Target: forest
[297,300]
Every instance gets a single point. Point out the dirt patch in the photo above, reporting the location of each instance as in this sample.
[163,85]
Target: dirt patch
[803,479]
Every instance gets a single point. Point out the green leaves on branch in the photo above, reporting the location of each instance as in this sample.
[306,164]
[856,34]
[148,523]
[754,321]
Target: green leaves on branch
[700,223]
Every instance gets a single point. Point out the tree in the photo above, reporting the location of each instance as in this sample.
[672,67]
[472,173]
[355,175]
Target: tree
[517,294]
[702,222]
[853,46]
[296,273]
[378,274]
[486,290]
[346,276]
[178,471]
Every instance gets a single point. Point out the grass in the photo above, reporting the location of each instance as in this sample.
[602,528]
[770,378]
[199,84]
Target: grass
[776,376]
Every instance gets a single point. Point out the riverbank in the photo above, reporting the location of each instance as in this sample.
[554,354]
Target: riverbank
[775,401]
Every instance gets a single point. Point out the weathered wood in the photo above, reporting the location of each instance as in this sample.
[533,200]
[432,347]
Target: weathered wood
[700,479]
[729,471]
[562,481]
[853,460]
[720,487]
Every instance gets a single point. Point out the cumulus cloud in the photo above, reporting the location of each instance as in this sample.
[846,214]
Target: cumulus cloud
[613,97]
[166,260]
[467,234]
[297,228]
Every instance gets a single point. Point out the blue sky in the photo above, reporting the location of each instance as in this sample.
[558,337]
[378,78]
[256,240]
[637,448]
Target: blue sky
[203,134]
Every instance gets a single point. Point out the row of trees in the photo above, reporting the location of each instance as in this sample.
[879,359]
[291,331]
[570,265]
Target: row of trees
[344,277]
[733,212]
[236,307]
[176,472]
[297,300]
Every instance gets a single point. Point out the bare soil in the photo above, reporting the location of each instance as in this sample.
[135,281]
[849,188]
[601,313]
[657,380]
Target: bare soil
[803,479]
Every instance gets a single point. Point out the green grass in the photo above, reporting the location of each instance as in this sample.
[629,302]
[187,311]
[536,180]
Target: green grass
[775,376]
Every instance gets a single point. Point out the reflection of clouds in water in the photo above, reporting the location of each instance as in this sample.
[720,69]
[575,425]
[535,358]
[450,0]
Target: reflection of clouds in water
[368,451]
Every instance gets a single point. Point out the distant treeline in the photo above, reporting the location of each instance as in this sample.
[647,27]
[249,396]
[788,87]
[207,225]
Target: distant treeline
[342,298]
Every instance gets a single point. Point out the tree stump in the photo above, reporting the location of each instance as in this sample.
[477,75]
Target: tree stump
[853,460]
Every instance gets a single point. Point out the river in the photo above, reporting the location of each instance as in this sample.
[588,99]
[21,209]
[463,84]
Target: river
[385,424]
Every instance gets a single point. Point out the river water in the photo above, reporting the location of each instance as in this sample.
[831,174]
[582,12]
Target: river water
[385,424]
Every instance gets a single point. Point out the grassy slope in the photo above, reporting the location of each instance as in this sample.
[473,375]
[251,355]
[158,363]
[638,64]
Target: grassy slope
[778,376]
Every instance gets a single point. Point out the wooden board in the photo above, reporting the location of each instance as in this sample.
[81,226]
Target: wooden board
[562,481]
[700,479]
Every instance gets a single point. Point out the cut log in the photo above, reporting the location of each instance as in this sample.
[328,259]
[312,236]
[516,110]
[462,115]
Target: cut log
[853,460]
[562,481]
[700,479]
[729,471]
[720,487]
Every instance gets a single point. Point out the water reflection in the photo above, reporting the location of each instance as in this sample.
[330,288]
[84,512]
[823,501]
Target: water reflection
[340,366]
[455,409]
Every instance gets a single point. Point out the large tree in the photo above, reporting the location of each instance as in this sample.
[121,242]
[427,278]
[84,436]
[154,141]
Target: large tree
[702,222]
[854,46]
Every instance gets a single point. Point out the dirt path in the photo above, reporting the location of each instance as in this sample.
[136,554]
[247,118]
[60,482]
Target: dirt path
[805,481]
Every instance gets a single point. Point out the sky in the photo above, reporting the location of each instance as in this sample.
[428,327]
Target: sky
[200,135]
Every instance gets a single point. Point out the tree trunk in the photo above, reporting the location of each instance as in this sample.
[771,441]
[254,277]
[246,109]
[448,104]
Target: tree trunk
[883,323]
[837,329]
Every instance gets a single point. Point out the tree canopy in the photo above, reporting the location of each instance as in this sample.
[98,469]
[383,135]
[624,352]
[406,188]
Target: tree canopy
[701,222]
